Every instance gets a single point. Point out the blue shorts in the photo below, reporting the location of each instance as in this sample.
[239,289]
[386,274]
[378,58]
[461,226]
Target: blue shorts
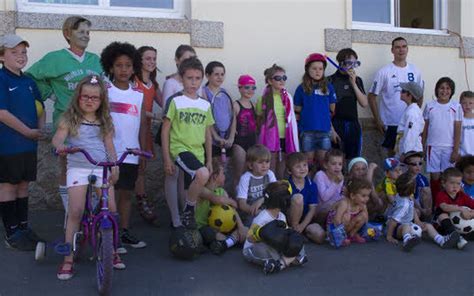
[315,140]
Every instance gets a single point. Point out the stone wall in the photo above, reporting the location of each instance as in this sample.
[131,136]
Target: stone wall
[44,192]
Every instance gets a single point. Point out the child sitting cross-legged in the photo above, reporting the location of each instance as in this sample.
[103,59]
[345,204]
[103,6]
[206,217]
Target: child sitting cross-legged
[304,199]
[216,241]
[402,214]
[387,189]
[269,242]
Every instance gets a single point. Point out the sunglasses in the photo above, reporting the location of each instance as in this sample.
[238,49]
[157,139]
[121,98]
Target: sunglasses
[279,78]
[86,98]
[248,87]
[415,163]
[351,64]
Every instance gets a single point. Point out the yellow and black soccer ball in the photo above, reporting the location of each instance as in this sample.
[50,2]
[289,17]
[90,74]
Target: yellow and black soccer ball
[222,218]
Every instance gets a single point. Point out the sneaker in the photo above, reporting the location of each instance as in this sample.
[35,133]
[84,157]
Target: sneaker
[121,250]
[356,238]
[450,240]
[346,242]
[187,219]
[461,243]
[65,274]
[218,247]
[19,241]
[271,266]
[146,210]
[410,243]
[300,260]
[118,263]
[128,239]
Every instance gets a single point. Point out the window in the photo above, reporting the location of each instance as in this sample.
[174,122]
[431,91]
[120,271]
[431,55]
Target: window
[138,8]
[382,14]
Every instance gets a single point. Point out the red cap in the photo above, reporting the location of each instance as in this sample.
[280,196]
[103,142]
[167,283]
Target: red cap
[315,57]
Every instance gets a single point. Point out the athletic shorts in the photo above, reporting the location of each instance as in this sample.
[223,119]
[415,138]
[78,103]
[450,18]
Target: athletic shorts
[189,163]
[127,176]
[245,142]
[217,151]
[79,176]
[437,159]
[350,133]
[390,137]
[17,168]
[315,140]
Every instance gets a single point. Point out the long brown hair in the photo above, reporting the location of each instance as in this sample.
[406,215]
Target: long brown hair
[73,117]
[309,83]
[138,65]
[267,97]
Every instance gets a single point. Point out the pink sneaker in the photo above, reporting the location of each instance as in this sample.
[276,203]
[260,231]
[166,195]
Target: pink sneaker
[356,238]
[118,263]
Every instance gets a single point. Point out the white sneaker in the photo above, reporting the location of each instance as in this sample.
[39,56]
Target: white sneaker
[461,243]
[121,250]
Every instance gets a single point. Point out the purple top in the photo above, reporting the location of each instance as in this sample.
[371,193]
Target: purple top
[329,192]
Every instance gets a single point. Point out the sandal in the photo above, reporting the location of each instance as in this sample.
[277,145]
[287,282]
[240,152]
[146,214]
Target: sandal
[65,274]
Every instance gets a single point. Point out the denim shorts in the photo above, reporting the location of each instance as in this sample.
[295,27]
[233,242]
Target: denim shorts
[315,140]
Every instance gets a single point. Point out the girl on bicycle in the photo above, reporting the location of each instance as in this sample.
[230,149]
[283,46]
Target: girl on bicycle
[86,124]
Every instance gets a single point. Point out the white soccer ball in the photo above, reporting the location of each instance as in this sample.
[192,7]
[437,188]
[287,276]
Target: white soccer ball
[416,230]
[462,225]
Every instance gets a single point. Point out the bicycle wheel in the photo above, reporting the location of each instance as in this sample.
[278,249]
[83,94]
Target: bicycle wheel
[104,260]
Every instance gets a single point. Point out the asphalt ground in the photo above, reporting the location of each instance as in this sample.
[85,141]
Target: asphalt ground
[377,268]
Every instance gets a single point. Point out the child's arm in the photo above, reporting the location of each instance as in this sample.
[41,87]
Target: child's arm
[230,141]
[159,96]
[59,137]
[391,227]
[207,194]
[424,136]
[243,206]
[360,96]
[466,213]
[457,142]
[112,156]
[326,188]
[13,122]
[142,132]
[165,146]
[208,146]
[427,201]
[371,170]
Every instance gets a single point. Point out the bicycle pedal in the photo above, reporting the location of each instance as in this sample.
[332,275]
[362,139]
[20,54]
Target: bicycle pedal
[63,249]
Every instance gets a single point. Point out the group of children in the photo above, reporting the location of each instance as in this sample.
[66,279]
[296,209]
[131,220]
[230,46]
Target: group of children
[201,128]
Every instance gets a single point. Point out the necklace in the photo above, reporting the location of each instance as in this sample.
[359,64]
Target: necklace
[90,121]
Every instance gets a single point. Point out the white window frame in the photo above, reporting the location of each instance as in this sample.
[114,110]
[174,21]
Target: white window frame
[440,16]
[103,8]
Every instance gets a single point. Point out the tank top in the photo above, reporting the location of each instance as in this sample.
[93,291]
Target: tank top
[88,137]
[246,123]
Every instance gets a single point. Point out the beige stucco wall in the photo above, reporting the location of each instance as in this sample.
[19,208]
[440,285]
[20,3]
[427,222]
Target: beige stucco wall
[258,33]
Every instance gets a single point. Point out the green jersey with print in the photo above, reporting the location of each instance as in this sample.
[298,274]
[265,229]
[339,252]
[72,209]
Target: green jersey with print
[201,213]
[58,74]
[189,120]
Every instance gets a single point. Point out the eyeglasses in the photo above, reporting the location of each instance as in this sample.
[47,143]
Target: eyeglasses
[415,163]
[279,78]
[351,64]
[86,98]
[248,87]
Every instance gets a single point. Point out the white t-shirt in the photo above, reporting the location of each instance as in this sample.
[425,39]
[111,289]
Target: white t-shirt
[387,83]
[467,137]
[170,87]
[125,109]
[261,219]
[251,187]
[441,119]
[411,125]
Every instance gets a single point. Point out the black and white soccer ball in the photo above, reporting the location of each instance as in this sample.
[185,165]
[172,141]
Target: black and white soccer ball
[416,230]
[462,225]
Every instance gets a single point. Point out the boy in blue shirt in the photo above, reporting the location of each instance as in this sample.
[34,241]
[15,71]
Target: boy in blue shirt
[19,131]
[304,199]
[466,166]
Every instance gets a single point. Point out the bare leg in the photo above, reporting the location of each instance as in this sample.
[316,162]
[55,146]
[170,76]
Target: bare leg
[171,195]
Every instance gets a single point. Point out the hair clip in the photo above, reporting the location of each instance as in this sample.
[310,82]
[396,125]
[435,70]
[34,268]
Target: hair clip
[94,80]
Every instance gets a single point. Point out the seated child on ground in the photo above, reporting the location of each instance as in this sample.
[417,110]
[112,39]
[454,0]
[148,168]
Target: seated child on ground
[402,214]
[387,189]
[466,166]
[452,199]
[269,242]
[304,199]
[218,242]
[329,181]
[359,168]
[423,201]
[351,211]
[253,182]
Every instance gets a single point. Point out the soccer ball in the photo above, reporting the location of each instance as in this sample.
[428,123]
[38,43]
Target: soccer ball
[462,225]
[416,230]
[185,243]
[222,218]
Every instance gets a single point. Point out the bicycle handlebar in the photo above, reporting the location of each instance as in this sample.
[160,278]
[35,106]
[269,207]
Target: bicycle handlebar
[135,151]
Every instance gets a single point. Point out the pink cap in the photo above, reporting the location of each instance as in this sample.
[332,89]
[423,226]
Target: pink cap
[246,80]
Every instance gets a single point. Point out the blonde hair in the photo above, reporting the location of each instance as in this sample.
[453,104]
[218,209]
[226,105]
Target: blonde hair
[258,152]
[73,117]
